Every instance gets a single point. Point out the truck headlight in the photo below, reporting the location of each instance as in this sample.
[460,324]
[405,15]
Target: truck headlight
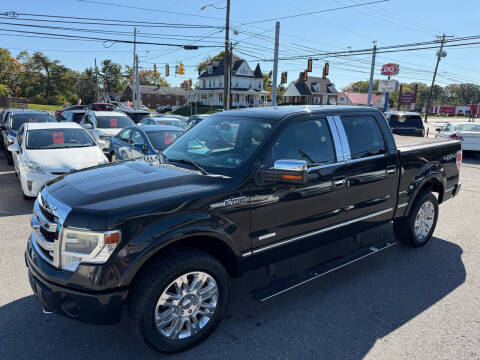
[105,137]
[32,166]
[79,246]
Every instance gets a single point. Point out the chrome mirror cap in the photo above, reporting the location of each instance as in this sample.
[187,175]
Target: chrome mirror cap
[290,165]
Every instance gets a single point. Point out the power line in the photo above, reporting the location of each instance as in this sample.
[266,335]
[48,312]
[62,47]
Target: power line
[312,12]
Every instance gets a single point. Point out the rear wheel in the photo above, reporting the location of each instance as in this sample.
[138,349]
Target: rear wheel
[179,301]
[417,228]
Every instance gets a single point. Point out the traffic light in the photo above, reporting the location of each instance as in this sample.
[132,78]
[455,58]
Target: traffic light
[167,70]
[324,75]
[327,66]
[284,77]
[155,70]
[309,65]
[181,69]
[305,75]
[176,69]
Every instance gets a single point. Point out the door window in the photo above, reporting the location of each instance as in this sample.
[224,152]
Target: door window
[364,136]
[306,140]
[125,135]
[137,138]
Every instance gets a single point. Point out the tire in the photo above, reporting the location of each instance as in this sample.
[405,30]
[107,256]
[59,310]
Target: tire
[404,228]
[9,157]
[159,277]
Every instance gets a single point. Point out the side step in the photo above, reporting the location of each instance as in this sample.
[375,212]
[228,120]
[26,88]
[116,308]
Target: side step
[281,285]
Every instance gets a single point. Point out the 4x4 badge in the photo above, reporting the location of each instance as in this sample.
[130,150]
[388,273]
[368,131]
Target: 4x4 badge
[229,202]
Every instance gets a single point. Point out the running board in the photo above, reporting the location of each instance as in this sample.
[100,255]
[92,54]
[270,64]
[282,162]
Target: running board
[281,285]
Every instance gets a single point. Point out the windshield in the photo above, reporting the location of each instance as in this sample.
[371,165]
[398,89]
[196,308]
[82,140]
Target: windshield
[113,122]
[172,122]
[221,144]
[58,139]
[18,120]
[406,121]
[160,139]
[467,127]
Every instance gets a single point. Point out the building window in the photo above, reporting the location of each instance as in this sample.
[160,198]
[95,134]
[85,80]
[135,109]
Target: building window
[204,84]
[236,83]
[249,86]
[209,83]
[220,97]
[213,82]
[259,85]
[316,100]
[237,98]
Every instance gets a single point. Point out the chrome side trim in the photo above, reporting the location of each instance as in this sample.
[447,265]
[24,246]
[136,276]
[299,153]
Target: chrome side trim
[372,249]
[408,148]
[323,230]
[336,139]
[266,236]
[366,158]
[246,254]
[399,206]
[323,166]
[343,138]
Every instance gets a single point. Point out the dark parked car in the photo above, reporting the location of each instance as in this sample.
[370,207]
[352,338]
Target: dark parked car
[100,106]
[58,113]
[164,120]
[14,120]
[72,115]
[3,119]
[195,119]
[241,190]
[163,109]
[138,141]
[405,123]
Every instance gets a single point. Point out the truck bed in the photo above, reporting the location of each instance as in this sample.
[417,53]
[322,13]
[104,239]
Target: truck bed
[407,141]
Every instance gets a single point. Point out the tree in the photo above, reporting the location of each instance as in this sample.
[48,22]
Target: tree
[267,81]
[147,77]
[362,87]
[10,73]
[111,73]
[202,66]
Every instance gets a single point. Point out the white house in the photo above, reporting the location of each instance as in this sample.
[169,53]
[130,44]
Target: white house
[247,85]
[314,90]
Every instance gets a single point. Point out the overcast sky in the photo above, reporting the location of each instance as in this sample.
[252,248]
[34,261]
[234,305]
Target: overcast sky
[390,23]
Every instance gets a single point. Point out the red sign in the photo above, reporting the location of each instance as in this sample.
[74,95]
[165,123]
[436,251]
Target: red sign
[113,122]
[390,69]
[407,98]
[168,138]
[58,137]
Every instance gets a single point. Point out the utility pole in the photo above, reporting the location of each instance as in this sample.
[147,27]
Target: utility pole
[275,64]
[372,69]
[96,80]
[137,84]
[230,66]
[440,54]
[226,65]
[134,86]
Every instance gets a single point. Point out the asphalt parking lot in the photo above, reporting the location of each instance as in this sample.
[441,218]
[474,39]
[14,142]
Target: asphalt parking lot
[398,304]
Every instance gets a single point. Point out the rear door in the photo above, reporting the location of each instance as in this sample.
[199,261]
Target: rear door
[297,213]
[371,170]
[122,144]
[138,143]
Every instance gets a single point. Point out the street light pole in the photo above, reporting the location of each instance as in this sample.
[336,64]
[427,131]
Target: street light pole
[372,70]
[226,58]
[439,56]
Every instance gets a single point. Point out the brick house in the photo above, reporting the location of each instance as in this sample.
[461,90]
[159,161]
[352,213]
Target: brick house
[153,96]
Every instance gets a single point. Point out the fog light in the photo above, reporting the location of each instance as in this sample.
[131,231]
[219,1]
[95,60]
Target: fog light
[70,308]
[29,185]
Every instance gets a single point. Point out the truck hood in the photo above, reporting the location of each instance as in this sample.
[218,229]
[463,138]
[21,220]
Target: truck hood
[130,186]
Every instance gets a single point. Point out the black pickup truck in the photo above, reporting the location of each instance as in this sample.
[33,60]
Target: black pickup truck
[242,189]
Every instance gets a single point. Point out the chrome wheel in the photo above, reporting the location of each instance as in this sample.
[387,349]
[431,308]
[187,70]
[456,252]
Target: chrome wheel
[424,220]
[186,305]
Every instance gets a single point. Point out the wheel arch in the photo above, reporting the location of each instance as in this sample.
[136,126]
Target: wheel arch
[432,183]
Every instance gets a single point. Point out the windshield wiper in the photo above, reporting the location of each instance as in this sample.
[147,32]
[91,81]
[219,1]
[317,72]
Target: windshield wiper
[189,162]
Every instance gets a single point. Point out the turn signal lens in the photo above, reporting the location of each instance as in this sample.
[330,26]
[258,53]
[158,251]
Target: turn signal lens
[112,238]
[456,137]
[292,177]
[459,159]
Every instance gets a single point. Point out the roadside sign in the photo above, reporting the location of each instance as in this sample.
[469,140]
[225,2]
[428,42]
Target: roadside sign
[407,98]
[389,86]
[390,69]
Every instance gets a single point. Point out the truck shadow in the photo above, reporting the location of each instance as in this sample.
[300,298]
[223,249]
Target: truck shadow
[339,316]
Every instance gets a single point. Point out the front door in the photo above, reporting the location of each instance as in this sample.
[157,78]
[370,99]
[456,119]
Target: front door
[138,145]
[292,213]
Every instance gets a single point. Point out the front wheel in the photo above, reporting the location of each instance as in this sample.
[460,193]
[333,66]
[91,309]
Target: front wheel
[417,228]
[179,301]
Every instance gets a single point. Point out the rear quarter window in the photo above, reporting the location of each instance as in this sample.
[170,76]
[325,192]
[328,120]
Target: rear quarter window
[364,136]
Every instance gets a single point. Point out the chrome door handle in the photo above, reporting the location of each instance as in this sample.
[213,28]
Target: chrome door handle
[339,182]
[391,169]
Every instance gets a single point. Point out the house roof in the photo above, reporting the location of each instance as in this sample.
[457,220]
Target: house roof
[160,90]
[362,98]
[217,68]
[313,85]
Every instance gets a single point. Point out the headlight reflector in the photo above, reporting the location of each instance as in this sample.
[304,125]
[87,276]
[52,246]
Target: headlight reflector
[32,166]
[86,246]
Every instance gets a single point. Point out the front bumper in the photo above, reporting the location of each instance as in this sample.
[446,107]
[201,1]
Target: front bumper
[33,182]
[90,307]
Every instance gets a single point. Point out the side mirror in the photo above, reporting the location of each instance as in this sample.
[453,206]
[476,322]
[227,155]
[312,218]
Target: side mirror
[3,127]
[287,171]
[10,139]
[14,148]
[88,126]
[438,129]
